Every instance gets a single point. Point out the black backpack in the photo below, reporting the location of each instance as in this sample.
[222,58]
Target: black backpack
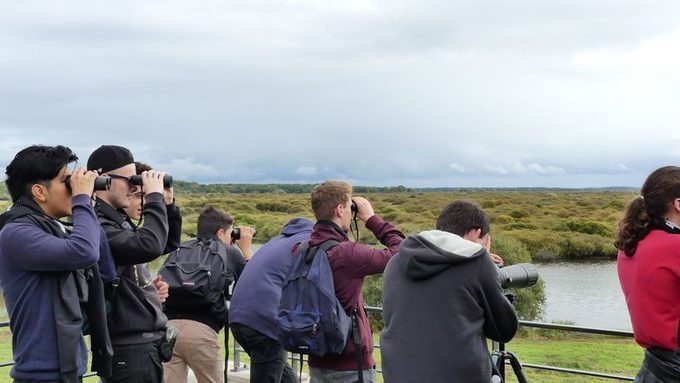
[197,275]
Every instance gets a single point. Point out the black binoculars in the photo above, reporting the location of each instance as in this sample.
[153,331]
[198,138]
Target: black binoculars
[235,234]
[137,180]
[100,183]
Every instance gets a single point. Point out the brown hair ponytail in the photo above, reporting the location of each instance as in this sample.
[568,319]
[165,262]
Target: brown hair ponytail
[659,191]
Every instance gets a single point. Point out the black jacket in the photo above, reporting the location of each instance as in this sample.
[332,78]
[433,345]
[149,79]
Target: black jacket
[136,314]
[441,300]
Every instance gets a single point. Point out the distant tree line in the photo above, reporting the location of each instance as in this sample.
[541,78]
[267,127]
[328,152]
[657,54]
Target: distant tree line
[220,188]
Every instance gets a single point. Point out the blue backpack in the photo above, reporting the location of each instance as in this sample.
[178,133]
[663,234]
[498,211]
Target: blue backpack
[311,320]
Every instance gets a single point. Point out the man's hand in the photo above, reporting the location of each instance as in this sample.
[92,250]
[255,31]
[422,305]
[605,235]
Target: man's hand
[244,242]
[82,181]
[496,259]
[153,181]
[162,288]
[365,210]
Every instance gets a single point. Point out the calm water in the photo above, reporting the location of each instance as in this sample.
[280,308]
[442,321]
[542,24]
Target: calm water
[585,293]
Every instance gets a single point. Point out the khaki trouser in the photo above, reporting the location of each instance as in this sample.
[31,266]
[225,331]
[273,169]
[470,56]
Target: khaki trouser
[197,347]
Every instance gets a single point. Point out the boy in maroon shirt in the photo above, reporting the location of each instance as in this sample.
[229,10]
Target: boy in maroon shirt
[350,262]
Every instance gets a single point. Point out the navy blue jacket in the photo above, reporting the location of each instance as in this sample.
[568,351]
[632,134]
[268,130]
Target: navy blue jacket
[30,264]
[255,300]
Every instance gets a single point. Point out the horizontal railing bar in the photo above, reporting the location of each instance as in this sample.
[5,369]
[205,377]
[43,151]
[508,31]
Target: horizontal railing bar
[551,326]
[564,327]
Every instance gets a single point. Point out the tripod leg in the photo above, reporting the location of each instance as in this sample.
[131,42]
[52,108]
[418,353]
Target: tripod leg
[516,367]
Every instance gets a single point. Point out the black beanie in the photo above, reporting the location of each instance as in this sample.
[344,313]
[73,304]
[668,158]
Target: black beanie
[109,157]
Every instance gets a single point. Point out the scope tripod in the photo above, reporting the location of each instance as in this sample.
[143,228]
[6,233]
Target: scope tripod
[498,358]
[500,355]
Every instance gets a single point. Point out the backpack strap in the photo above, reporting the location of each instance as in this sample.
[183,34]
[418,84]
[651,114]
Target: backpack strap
[356,339]
[214,246]
[310,252]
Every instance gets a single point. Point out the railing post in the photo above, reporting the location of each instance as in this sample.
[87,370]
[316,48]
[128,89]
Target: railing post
[237,358]
[295,363]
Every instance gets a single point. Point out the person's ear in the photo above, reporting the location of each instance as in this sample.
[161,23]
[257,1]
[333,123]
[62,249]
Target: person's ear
[473,235]
[39,192]
[339,209]
[676,204]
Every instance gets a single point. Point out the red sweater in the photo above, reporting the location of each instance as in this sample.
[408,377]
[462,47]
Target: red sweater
[650,280]
[351,262]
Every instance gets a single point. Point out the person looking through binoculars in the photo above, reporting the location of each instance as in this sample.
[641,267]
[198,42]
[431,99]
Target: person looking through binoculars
[48,268]
[136,322]
[333,206]
[197,304]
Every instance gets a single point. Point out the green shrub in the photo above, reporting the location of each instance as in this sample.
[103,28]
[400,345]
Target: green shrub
[615,204]
[518,214]
[490,204]
[589,227]
[272,206]
[372,293]
[520,225]
[502,219]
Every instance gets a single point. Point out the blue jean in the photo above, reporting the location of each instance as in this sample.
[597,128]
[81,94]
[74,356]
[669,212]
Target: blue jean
[322,375]
[267,357]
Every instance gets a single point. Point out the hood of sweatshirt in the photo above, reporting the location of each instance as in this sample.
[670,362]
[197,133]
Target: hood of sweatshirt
[296,226]
[429,253]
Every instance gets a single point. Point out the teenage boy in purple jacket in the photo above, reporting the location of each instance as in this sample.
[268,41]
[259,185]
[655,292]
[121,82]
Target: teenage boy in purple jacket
[48,271]
[350,262]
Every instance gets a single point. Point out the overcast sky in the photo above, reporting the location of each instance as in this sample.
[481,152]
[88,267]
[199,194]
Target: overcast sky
[567,93]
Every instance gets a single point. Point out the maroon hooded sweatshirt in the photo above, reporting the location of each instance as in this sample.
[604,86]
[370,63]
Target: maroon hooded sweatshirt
[351,262]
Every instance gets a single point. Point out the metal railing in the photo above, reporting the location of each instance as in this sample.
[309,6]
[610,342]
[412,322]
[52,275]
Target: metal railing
[551,326]
[299,359]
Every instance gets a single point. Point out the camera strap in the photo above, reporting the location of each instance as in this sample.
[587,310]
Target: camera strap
[355,229]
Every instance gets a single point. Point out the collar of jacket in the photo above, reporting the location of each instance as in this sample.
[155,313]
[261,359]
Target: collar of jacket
[23,207]
[116,215]
[662,224]
[326,225]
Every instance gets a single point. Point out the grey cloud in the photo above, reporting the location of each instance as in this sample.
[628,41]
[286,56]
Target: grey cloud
[378,92]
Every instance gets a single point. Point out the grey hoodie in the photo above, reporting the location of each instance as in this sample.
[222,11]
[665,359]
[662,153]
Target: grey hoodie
[441,300]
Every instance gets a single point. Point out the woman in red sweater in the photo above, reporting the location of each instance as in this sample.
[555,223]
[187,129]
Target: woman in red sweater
[649,271]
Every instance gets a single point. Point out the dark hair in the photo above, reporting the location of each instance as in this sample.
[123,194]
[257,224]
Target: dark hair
[35,164]
[327,196]
[211,220]
[141,167]
[659,191]
[461,216]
